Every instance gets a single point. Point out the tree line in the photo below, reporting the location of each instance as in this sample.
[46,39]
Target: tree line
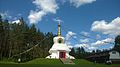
[18,37]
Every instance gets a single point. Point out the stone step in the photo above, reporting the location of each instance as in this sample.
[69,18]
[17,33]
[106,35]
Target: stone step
[66,61]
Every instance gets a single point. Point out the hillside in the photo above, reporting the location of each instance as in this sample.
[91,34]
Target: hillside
[41,62]
[44,61]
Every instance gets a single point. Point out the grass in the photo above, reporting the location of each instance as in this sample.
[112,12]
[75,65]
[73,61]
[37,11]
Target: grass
[44,61]
[81,61]
[41,62]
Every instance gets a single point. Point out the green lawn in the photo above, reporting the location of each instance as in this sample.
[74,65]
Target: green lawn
[40,62]
[44,61]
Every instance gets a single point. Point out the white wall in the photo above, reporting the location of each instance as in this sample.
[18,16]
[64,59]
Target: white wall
[114,55]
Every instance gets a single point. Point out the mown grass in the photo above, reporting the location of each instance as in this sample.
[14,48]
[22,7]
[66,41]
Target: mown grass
[44,61]
[41,62]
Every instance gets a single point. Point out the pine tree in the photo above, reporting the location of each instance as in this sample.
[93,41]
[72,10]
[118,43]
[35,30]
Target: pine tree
[72,52]
[1,37]
[117,43]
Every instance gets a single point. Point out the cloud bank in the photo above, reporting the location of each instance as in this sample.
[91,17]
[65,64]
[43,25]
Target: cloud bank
[111,28]
[44,7]
[103,42]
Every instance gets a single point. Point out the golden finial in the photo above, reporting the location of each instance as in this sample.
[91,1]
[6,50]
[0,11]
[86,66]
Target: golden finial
[59,31]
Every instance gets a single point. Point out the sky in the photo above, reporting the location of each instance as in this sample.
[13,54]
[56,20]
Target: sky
[92,24]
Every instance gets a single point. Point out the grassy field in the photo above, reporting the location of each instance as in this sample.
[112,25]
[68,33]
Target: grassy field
[54,63]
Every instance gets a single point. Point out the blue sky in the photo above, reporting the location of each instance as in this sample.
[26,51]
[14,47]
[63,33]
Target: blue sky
[97,19]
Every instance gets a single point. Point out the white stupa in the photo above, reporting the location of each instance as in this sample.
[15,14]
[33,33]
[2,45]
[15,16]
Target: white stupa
[59,48]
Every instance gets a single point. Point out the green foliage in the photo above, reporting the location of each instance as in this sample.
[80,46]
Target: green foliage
[117,40]
[117,43]
[72,52]
[79,53]
[16,38]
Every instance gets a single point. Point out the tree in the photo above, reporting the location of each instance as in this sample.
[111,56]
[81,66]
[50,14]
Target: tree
[93,51]
[80,53]
[1,37]
[4,38]
[117,40]
[0,18]
[117,43]
[72,52]
[82,50]
[98,51]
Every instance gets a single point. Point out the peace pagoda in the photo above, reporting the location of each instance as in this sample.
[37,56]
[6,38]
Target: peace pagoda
[59,48]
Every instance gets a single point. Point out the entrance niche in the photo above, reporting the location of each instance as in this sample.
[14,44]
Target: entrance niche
[62,54]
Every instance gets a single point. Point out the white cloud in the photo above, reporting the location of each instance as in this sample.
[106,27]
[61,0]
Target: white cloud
[35,16]
[46,5]
[69,46]
[57,20]
[98,36]
[111,47]
[111,28]
[5,15]
[82,45]
[78,3]
[85,33]
[63,1]
[103,42]
[92,48]
[70,34]
[16,21]
[84,40]
[43,8]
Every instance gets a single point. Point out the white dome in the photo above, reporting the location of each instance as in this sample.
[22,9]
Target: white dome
[55,39]
[59,46]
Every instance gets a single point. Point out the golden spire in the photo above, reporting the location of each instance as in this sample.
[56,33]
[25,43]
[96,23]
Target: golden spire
[59,31]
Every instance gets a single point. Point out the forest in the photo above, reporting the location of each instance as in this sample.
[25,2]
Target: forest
[15,38]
